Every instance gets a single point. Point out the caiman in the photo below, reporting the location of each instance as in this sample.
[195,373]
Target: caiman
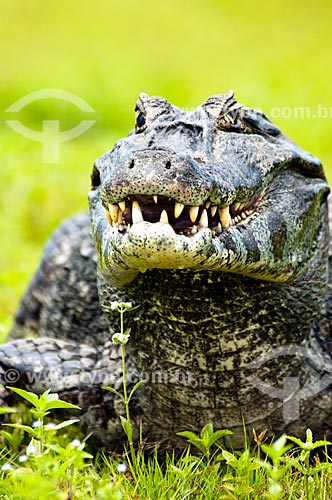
[215,224]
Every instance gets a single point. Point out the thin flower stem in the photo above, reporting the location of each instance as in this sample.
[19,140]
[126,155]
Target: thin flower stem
[122,310]
[41,436]
[125,396]
[125,393]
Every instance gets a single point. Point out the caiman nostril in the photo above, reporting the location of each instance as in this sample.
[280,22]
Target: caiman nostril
[168,164]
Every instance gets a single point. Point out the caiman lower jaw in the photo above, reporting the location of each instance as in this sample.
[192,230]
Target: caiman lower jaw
[185,220]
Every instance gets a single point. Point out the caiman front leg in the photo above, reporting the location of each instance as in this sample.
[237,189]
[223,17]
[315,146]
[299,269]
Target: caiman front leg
[70,352]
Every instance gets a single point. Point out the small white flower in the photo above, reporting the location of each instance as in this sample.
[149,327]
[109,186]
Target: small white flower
[6,467]
[23,458]
[114,305]
[75,443]
[118,306]
[120,338]
[37,423]
[121,468]
[50,426]
[31,449]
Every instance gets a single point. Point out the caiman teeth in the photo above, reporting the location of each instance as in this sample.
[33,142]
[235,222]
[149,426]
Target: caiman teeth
[214,210]
[136,213]
[184,219]
[178,207]
[109,218]
[120,219]
[225,217]
[122,205]
[193,212]
[114,212]
[163,217]
[204,221]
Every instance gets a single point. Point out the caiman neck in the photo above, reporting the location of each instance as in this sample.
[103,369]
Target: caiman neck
[216,304]
[197,335]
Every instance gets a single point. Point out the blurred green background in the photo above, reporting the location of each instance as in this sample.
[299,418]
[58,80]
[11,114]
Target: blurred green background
[274,54]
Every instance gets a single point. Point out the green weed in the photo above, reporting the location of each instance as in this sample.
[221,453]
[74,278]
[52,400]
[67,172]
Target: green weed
[58,467]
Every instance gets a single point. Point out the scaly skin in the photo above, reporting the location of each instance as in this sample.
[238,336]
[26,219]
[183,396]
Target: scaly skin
[234,294]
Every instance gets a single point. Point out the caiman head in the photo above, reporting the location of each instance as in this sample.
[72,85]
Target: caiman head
[218,188]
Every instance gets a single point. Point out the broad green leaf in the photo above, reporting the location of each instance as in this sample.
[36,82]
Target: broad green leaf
[7,409]
[189,435]
[85,454]
[50,397]
[277,449]
[265,465]
[229,457]
[111,389]
[280,443]
[320,443]
[136,386]
[29,396]
[194,440]
[58,403]
[218,435]
[296,441]
[293,462]
[126,425]
[66,423]
[207,431]
[309,436]
[309,444]
[25,428]
[222,433]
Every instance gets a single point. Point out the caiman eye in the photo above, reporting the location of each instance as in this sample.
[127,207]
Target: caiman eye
[140,120]
[95,178]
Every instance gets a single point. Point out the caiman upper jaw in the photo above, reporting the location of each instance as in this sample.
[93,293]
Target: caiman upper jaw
[184,219]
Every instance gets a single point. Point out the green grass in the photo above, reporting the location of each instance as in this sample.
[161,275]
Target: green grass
[40,459]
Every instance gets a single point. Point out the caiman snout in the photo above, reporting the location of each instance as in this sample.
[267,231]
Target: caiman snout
[160,172]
